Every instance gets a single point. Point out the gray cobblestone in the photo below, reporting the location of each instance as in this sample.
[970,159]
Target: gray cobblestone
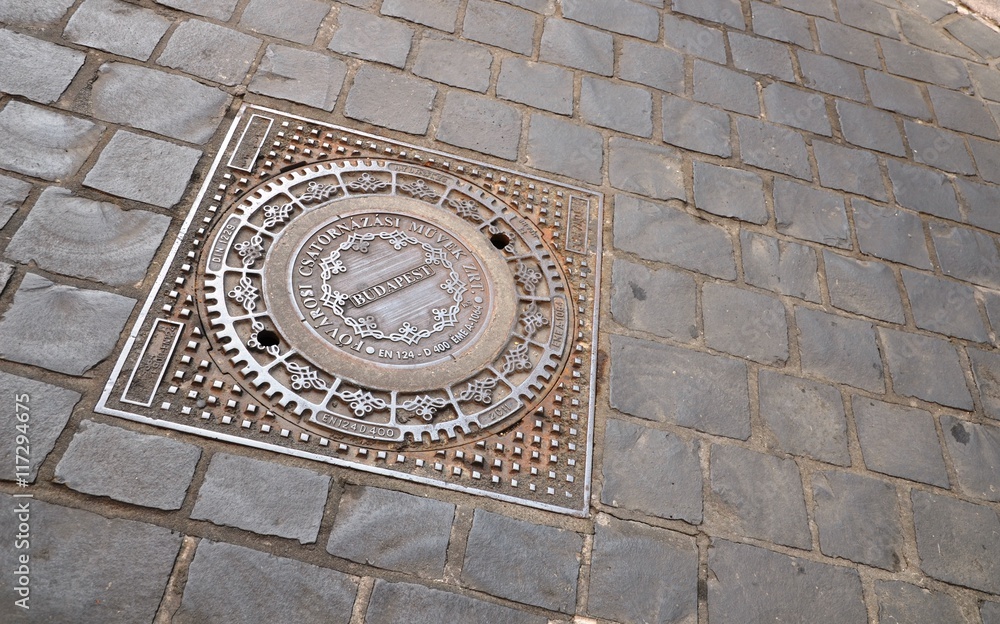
[299,76]
[130,467]
[890,234]
[897,95]
[729,192]
[976,35]
[839,349]
[257,586]
[629,565]
[61,328]
[481,124]
[786,268]
[642,226]
[939,148]
[920,33]
[696,127]
[886,428]
[84,238]
[866,288]
[646,169]
[44,144]
[292,20]
[858,519]
[565,148]
[926,368]
[263,497]
[454,63]
[35,13]
[986,370]
[967,254]
[651,65]
[6,272]
[869,16]
[820,8]
[500,25]
[761,495]
[773,147]
[620,16]
[415,604]
[975,452]
[902,602]
[761,56]
[221,10]
[963,113]
[944,306]
[923,189]
[811,214]
[439,14]
[987,155]
[781,24]
[851,170]
[980,201]
[391,100]
[210,51]
[955,541]
[50,409]
[832,76]
[745,323]
[498,550]
[116,27]
[36,69]
[363,35]
[693,38]
[617,107]
[905,60]
[728,12]
[933,10]
[990,612]
[536,84]
[634,286]
[986,81]
[726,88]
[797,108]
[869,127]
[144,169]
[579,47]
[13,192]
[846,43]
[804,417]
[667,384]
[652,472]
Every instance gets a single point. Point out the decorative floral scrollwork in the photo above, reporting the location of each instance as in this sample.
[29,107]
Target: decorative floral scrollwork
[479,390]
[424,406]
[516,359]
[363,403]
[527,277]
[304,377]
[318,192]
[533,320]
[251,250]
[254,341]
[467,209]
[273,215]
[367,183]
[245,294]
[420,190]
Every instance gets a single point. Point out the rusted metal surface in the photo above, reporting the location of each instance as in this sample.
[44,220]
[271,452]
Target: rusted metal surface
[352,299]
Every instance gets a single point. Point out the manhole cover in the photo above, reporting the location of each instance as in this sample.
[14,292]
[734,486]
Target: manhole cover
[348,298]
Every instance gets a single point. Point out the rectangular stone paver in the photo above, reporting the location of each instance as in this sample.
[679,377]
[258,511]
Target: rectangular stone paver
[926,368]
[923,189]
[650,170]
[454,63]
[44,144]
[902,602]
[620,16]
[117,27]
[811,214]
[782,266]
[36,69]
[867,288]
[975,451]
[945,306]
[46,410]
[36,13]
[804,417]
[729,192]
[210,51]
[693,38]
[858,519]
[13,192]
[885,429]
[294,20]
[500,25]
[300,76]
[221,10]
[890,234]
[391,100]
[391,603]
[565,148]
[652,65]
[967,254]
[744,323]
[363,35]
[635,285]
[570,44]
[481,124]
[986,369]
[957,541]
[536,84]
[773,147]
[617,107]
[696,127]
[839,349]
[439,14]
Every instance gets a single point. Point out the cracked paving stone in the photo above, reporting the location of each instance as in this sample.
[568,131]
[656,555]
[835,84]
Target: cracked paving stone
[964,113]
[536,84]
[986,370]
[693,38]
[899,441]
[394,546]
[745,323]
[362,35]
[797,108]
[650,170]
[804,417]
[480,123]
[869,127]
[926,368]
[439,14]
[391,100]
[957,541]
[36,69]
[696,127]
[867,288]
[981,201]
[924,190]
[210,51]
[651,471]
[630,563]
[147,470]
[117,27]
[839,349]
[221,10]
[729,192]
[890,234]
[565,148]
[257,587]
[61,327]
[975,452]
[83,238]
[392,603]
[13,192]
[773,147]
[902,602]
[500,25]
[912,62]
[987,156]
[781,24]
[966,254]
[847,44]
[620,16]
[944,306]
[44,144]
[652,65]
[728,12]
[761,56]
[858,519]
[783,267]
[976,35]
[731,90]
[938,148]
[497,561]
[616,107]
[144,169]
[895,94]
[263,497]
[633,286]
[811,214]
[454,63]
[292,20]
[868,15]
[299,76]
[851,170]
[34,13]
[49,411]
[830,75]
[579,47]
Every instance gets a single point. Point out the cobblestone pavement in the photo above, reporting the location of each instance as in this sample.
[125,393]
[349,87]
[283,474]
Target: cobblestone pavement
[800,382]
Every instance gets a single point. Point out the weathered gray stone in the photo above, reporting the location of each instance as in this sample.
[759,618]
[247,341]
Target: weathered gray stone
[987,156]
[925,35]
[778,265]
[926,368]
[868,15]
[498,549]
[536,84]
[642,226]
[579,47]
[987,83]
[415,604]
[210,51]
[905,60]
[899,441]
[851,170]
[976,35]
[651,65]
[263,497]
[990,612]
[144,169]
[869,127]
[781,24]
[454,63]
[727,12]
[35,13]
[13,192]
[439,14]
[839,349]
[630,564]
[744,323]
[363,35]
[391,100]
[923,189]
[395,545]
[729,192]
[967,254]
[773,147]
[620,16]
[750,584]
[130,467]
[667,384]
[36,69]
[300,76]
[84,238]
[902,602]
[500,25]
[693,38]
[565,148]
[986,370]
[6,272]
[163,103]
[797,108]
[956,541]
[804,417]
[649,170]
[846,43]
[944,306]
[761,56]
[116,27]
[933,10]
[221,10]
[481,124]
[720,86]
[866,288]
[896,94]
[811,214]
[61,328]
[759,495]
[829,75]
[858,519]
[47,410]
[938,148]
[294,20]
[652,472]
[634,286]
[617,107]
[975,452]
[890,234]
[103,571]
[257,586]
[696,127]
[961,112]
[44,144]
[982,203]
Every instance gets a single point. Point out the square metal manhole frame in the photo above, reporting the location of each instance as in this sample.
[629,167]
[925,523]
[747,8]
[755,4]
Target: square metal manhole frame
[541,459]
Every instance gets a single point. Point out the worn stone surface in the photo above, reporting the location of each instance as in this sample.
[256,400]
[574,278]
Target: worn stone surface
[13,192]
[210,51]
[784,267]
[782,25]
[975,452]
[157,171]
[846,43]
[830,75]
[696,127]
[899,441]
[37,13]
[44,144]
[851,170]
[986,370]
[890,234]
[48,411]
[987,156]
[961,112]
[620,16]
[439,14]
[811,214]
[263,497]
[967,254]
[667,384]
[869,127]
[565,148]
[773,147]
[652,65]
[760,56]
[729,192]
[902,602]
[391,100]
[617,107]
[912,62]
[500,547]
[652,472]
[897,95]
[858,519]
[536,84]
[693,38]
[944,306]
[866,288]
[117,27]
[990,612]
[36,69]
[221,10]
[293,20]
[839,349]
[481,124]
[981,202]
[363,35]
[576,46]
[726,12]
[938,148]
[731,90]
[299,76]
[130,467]
[923,189]
[803,417]
[646,169]
[256,587]
[454,63]
[744,323]
[396,546]
[61,327]
[630,564]
[796,108]
[416,604]
[926,368]
[634,286]
[500,25]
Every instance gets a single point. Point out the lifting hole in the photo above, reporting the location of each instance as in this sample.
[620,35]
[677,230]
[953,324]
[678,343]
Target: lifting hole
[500,240]
[267,338]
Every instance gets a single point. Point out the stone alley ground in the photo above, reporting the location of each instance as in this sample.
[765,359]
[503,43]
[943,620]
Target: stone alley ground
[798,375]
